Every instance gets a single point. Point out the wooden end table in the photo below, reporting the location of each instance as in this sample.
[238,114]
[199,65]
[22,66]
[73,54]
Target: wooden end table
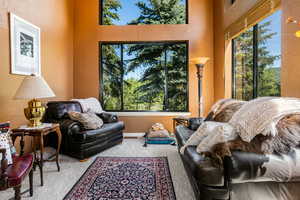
[39,133]
[180,121]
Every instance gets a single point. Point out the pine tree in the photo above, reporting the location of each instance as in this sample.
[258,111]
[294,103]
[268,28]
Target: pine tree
[161,12]
[268,81]
[111,61]
[110,11]
[165,78]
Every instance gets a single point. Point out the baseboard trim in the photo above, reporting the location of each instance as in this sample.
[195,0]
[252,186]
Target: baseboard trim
[133,135]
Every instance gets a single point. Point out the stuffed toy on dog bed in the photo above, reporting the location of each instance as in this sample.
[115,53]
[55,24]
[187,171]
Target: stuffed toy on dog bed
[157,134]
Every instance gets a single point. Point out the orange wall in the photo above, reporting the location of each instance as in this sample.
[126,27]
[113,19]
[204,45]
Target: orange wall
[199,33]
[224,15]
[55,18]
[290,74]
[219,49]
[233,12]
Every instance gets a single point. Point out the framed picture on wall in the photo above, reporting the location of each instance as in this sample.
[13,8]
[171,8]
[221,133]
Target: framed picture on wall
[25,47]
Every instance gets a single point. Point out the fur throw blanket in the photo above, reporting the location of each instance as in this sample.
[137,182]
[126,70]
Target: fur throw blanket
[286,139]
[261,115]
[265,125]
[224,109]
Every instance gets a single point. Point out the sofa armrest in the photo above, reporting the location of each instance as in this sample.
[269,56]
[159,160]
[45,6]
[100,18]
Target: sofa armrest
[194,123]
[70,127]
[244,166]
[108,117]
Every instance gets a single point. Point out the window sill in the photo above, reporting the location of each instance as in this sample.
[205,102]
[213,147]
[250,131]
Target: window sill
[148,114]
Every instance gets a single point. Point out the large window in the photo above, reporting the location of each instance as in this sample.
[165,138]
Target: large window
[257,60]
[144,76]
[138,12]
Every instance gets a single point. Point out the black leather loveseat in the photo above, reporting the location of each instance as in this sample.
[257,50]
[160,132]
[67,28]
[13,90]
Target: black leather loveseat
[76,141]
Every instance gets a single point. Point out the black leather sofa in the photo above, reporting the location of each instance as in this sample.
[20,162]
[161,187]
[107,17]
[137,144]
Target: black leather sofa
[76,141]
[205,179]
[244,175]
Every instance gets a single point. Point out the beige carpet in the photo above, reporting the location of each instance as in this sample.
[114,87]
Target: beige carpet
[57,184]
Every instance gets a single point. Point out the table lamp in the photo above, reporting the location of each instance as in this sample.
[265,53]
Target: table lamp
[200,62]
[34,87]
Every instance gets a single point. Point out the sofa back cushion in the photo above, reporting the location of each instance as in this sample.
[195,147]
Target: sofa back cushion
[57,110]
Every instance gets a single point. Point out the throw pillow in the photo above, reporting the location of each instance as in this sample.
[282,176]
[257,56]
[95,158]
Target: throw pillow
[198,135]
[218,133]
[89,120]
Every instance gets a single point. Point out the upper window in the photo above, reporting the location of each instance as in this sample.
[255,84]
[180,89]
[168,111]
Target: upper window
[137,12]
[144,76]
[257,60]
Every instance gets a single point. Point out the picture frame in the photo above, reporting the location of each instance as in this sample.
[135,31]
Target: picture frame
[25,45]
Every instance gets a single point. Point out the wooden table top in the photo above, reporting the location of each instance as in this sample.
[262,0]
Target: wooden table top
[35,129]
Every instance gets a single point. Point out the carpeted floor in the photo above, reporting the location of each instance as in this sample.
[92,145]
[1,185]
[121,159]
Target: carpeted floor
[58,184]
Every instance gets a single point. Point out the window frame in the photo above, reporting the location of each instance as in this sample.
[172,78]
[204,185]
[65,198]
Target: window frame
[255,63]
[101,84]
[102,24]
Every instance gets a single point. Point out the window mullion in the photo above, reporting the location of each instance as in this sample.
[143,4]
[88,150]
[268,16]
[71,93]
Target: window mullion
[166,81]
[122,77]
[255,61]
[233,70]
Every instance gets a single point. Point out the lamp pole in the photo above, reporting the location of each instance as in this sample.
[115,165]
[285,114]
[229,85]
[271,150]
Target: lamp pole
[200,68]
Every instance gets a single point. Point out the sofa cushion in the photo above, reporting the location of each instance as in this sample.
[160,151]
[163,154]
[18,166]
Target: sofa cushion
[59,109]
[105,131]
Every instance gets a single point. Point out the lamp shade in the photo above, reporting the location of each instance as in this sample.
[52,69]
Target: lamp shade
[200,60]
[34,87]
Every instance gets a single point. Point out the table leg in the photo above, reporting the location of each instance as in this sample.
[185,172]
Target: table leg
[22,144]
[34,153]
[13,137]
[58,146]
[41,159]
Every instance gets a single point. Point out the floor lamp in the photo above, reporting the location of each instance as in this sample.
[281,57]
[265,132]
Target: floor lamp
[200,63]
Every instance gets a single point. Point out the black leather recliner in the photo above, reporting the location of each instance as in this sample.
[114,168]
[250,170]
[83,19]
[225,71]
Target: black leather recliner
[76,141]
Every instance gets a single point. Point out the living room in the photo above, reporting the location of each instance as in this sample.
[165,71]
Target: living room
[161,67]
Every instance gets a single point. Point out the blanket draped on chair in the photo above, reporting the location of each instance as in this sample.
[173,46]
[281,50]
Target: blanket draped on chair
[90,104]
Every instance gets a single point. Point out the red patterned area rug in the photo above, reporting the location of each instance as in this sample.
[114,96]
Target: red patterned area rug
[125,178]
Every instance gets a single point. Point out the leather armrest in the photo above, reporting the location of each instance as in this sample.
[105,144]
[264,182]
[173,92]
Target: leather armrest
[70,127]
[194,123]
[245,165]
[108,117]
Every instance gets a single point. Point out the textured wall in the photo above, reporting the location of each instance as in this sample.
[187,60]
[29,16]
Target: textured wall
[219,49]
[199,33]
[235,11]
[55,18]
[290,77]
